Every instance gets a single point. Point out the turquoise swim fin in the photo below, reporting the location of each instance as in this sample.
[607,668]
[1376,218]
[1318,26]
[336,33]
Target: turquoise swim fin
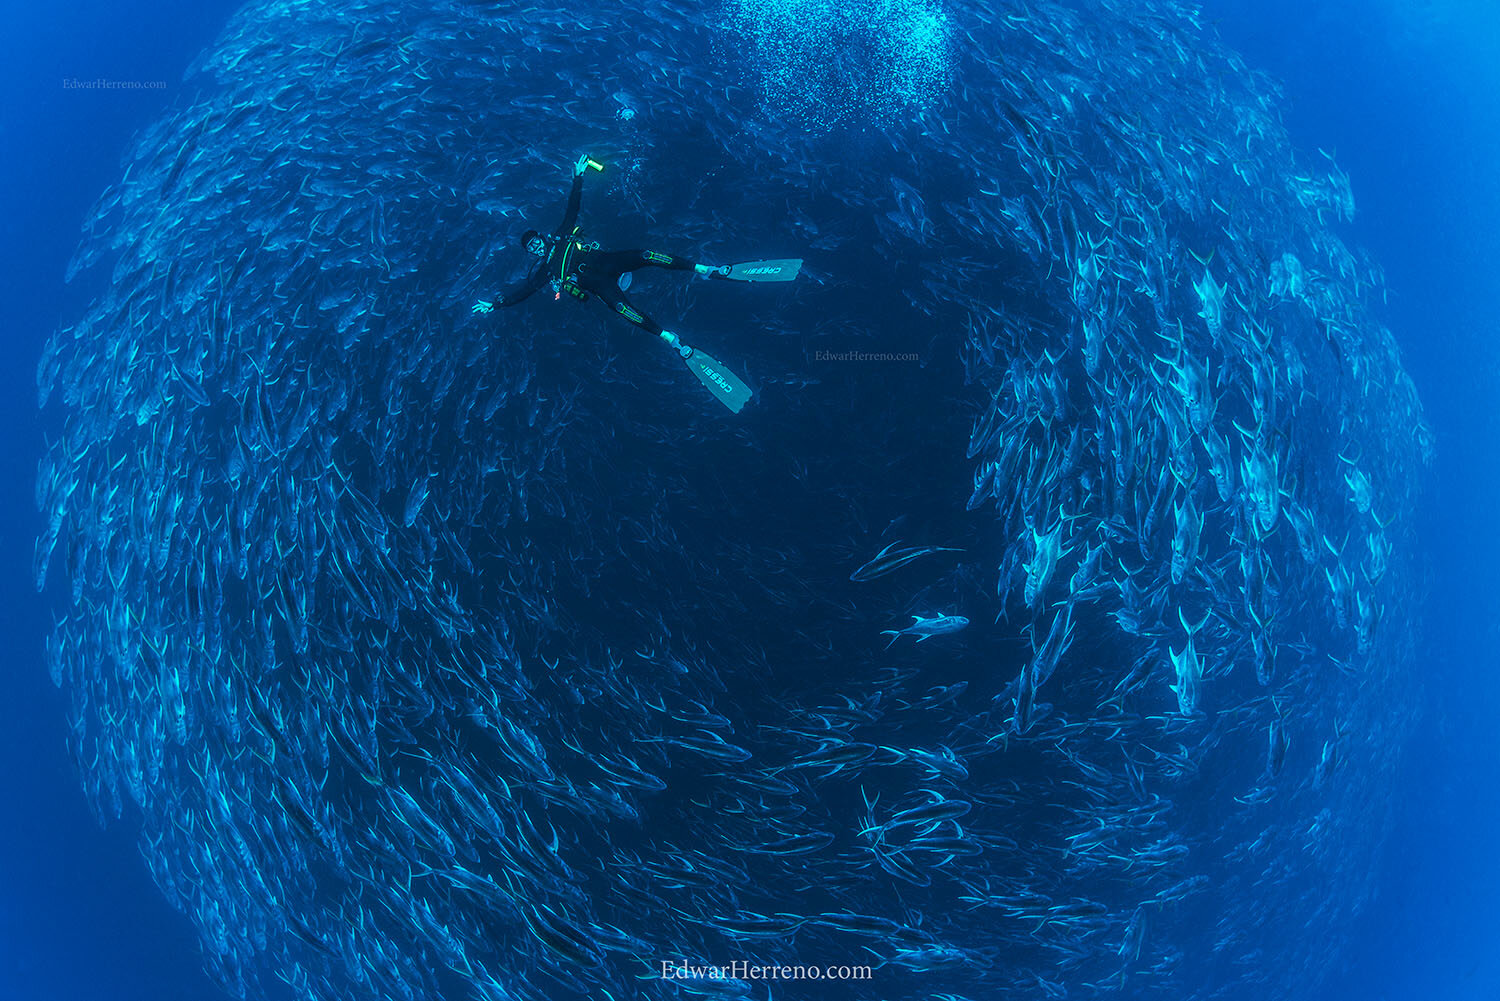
[765,271]
[724,384]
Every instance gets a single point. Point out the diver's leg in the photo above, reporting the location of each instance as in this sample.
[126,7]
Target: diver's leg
[615,299]
[621,262]
[652,259]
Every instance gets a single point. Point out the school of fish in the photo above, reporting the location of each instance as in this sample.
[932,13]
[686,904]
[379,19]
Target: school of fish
[443,656]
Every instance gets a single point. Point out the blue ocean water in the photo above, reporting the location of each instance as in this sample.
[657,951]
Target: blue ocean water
[1406,93]
[79,916]
[1402,93]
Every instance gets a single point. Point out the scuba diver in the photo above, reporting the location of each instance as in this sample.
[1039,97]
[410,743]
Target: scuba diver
[567,263]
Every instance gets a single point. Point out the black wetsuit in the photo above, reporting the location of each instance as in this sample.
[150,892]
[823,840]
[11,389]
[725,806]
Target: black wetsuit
[580,268]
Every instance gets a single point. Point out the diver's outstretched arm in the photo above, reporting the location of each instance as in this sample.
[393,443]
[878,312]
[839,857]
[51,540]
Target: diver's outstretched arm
[580,167]
[575,199]
[575,194]
[516,293]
